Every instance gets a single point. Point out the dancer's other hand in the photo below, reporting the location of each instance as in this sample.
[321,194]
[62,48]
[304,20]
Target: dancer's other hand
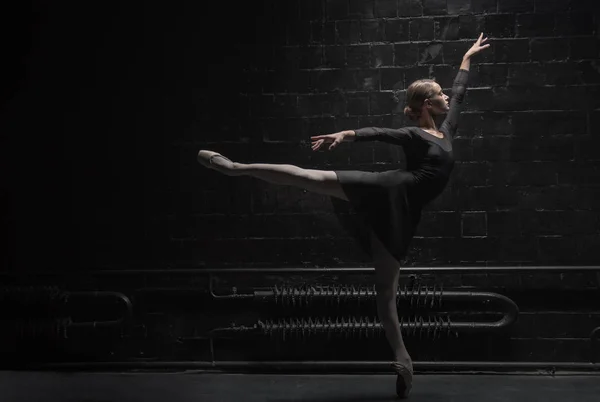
[477,46]
[333,139]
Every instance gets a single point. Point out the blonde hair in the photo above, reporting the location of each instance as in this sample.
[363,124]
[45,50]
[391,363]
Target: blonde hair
[416,94]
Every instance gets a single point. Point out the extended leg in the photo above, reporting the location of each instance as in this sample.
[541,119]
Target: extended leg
[318,181]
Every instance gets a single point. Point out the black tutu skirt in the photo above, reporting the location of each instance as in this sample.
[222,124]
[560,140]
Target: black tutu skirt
[381,202]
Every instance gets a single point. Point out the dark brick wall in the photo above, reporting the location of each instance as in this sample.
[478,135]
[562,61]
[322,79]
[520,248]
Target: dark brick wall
[110,106]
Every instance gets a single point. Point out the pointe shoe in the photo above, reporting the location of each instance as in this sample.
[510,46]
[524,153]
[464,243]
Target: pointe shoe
[205,158]
[404,379]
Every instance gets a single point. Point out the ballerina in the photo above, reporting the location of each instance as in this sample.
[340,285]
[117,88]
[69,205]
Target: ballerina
[388,203]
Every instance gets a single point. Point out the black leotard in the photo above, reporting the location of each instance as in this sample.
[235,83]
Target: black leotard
[390,202]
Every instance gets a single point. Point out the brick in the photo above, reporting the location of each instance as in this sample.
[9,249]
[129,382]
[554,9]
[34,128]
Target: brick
[492,149]
[348,32]
[406,54]
[545,6]
[311,10]
[503,223]
[527,124]
[346,123]
[330,80]
[470,26]
[415,73]
[434,7]
[430,53]
[541,98]
[592,92]
[281,129]
[329,33]
[371,31]
[462,149]
[489,75]
[298,33]
[515,6]
[454,51]
[510,50]
[572,73]
[386,8]
[446,28]
[366,79]
[410,8]
[392,78]
[444,75]
[583,48]
[380,103]
[382,55]
[484,6]
[499,26]
[337,9]
[421,29]
[316,32]
[358,104]
[514,248]
[575,24]
[524,173]
[437,224]
[358,56]
[553,222]
[470,174]
[556,250]
[549,49]
[484,124]
[586,149]
[396,30]
[535,25]
[526,75]
[314,105]
[362,9]
[317,125]
[473,224]
[482,99]
[458,6]
[335,56]
[584,173]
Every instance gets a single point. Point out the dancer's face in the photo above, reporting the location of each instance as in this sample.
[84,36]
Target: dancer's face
[438,103]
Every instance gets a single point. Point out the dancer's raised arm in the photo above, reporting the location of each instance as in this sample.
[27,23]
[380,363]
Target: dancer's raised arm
[459,87]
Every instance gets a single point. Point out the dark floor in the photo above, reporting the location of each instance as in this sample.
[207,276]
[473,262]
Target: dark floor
[175,387]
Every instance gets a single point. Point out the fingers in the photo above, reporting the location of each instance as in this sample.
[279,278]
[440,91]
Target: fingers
[317,144]
[333,145]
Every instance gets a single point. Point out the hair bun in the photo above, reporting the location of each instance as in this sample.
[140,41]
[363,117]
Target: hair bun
[409,112]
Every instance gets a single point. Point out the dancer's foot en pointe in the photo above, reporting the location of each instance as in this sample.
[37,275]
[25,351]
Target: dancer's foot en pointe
[404,379]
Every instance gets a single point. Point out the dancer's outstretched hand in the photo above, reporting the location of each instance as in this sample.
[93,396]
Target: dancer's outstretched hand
[333,139]
[477,46]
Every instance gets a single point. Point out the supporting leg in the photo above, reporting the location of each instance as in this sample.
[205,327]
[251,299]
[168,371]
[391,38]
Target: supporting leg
[317,181]
[387,273]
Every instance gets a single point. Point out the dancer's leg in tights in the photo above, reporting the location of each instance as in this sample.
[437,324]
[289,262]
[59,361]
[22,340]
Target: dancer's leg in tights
[325,182]
[317,181]
[387,273]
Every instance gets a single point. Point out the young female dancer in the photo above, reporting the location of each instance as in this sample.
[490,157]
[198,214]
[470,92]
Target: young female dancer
[388,203]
